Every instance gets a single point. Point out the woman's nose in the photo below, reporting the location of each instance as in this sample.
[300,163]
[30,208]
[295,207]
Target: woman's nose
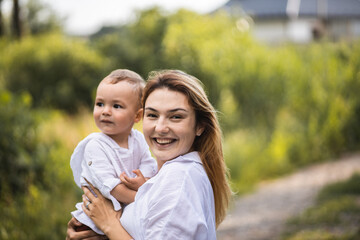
[162,126]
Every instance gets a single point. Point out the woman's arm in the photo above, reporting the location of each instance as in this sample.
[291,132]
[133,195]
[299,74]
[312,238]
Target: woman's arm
[101,212]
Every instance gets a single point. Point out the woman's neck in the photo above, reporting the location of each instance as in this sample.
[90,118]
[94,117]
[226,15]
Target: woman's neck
[160,164]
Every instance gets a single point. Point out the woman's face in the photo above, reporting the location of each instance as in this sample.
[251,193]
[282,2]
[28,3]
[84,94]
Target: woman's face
[169,124]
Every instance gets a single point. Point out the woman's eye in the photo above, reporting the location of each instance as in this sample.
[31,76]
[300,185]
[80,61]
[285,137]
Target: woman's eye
[99,104]
[177,117]
[117,106]
[151,115]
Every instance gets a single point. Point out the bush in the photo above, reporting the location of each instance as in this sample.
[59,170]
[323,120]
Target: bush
[56,71]
[20,165]
[40,208]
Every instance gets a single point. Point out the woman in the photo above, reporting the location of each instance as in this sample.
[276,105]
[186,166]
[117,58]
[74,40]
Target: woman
[189,196]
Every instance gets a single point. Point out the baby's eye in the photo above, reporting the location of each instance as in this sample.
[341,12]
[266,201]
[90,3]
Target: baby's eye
[117,106]
[99,104]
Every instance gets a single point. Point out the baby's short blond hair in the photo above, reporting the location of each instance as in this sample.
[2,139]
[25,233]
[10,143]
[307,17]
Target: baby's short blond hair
[131,77]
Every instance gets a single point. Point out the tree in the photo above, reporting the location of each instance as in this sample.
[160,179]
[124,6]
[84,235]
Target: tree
[40,18]
[1,22]
[16,23]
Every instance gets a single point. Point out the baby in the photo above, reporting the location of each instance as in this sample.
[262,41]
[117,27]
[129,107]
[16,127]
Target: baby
[118,149]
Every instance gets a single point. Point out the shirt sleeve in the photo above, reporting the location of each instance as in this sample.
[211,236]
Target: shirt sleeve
[177,211]
[99,170]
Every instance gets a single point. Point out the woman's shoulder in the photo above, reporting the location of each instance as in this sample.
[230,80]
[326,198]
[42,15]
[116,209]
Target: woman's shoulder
[184,168]
[185,163]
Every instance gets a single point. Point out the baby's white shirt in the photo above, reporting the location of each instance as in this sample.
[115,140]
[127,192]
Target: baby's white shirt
[100,160]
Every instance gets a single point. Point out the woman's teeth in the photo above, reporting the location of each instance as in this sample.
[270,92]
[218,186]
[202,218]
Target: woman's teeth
[163,141]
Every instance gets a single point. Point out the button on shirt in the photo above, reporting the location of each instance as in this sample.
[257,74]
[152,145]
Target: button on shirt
[177,203]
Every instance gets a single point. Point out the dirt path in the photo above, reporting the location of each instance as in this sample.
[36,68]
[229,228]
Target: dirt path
[262,214]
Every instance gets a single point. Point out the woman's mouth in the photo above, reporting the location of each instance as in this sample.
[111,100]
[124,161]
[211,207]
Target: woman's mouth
[164,141]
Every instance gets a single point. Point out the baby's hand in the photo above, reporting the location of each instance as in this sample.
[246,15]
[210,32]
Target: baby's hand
[133,183]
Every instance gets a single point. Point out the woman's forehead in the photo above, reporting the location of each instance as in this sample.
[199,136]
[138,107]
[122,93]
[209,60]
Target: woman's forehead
[165,98]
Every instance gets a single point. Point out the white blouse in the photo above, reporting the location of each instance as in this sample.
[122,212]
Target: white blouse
[178,203]
[100,160]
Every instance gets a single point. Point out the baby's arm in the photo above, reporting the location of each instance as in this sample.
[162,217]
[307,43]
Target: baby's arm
[133,183]
[123,194]
[125,191]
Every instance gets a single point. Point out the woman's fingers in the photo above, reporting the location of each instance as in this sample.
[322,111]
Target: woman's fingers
[86,204]
[89,195]
[85,207]
[96,191]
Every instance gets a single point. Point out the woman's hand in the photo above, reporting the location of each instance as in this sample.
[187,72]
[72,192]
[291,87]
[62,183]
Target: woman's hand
[101,212]
[99,209]
[72,232]
[133,183]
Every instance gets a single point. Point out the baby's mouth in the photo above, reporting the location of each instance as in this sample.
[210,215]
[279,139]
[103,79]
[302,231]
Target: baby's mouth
[106,121]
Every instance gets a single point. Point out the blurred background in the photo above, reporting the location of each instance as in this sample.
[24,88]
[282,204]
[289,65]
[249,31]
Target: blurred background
[284,76]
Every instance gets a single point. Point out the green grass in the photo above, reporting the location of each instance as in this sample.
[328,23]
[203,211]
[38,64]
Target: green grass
[335,216]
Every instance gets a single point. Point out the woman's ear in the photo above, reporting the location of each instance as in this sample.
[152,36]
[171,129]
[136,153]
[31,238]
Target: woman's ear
[138,115]
[199,130]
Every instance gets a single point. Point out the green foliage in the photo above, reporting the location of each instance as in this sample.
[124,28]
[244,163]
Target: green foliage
[57,72]
[330,211]
[321,235]
[280,107]
[347,188]
[42,209]
[136,46]
[18,149]
[207,47]
[40,18]
[335,215]
[23,167]
[315,115]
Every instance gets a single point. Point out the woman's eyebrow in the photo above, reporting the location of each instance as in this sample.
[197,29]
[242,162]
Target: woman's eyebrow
[178,109]
[172,110]
[150,109]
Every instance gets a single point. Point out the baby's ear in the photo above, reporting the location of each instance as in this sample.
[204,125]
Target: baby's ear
[138,115]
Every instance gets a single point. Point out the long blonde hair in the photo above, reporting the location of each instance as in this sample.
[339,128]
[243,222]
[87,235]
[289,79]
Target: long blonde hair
[209,143]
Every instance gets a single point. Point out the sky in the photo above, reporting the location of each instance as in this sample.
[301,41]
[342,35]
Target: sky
[84,17]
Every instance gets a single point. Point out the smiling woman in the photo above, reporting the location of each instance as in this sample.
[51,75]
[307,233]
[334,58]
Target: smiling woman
[188,197]
[169,124]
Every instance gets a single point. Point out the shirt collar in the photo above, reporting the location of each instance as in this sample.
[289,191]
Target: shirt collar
[188,157]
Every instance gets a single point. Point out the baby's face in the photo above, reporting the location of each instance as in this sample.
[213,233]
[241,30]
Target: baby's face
[116,108]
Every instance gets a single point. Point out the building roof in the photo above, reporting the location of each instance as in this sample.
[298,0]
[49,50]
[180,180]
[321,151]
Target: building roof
[296,8]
